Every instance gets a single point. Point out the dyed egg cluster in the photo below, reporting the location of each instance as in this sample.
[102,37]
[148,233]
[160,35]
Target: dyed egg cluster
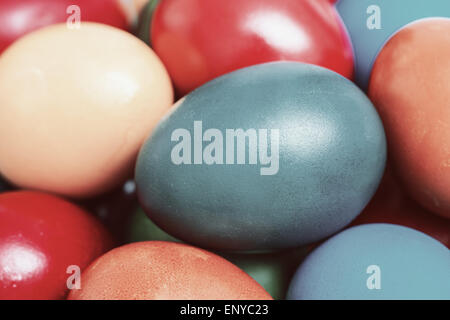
[191,149]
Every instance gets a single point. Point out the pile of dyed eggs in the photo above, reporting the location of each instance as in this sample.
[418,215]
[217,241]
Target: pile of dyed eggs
[240,149]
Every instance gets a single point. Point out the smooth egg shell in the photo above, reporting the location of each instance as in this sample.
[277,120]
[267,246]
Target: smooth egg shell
[78,104]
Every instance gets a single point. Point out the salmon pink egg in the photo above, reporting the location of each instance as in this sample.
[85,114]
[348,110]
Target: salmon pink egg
[155,270]
[410,87]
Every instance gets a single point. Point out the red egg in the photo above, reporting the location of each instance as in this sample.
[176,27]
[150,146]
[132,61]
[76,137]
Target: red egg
[18,18]
[391,205]
[156,270]
[410,87]
[41,236]
[199,40]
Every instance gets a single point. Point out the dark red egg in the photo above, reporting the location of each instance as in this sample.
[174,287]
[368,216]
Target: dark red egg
[43,240]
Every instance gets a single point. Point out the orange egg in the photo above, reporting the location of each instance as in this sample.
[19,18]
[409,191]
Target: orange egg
[410,86]
[156,270]
[75,107]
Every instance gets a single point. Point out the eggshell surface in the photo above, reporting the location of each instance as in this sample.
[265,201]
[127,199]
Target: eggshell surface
[79,104]
[41,236]
[328,156]
[157,270]
[200,40]
[410,87]
[375,261]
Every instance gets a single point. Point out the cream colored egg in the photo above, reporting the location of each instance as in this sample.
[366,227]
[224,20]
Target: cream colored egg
[75,107]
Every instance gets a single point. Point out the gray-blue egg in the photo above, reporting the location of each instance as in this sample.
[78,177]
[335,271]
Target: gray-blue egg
[272,156]
[375,261]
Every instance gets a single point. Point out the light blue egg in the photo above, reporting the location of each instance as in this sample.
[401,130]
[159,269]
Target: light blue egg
[375,261]
[394,14]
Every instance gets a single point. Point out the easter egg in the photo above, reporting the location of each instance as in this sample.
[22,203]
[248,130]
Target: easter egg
[273,271]
[18,18]
[371,23]
[392,205]
[410,87]
[92,96]
[375,261]
[271,156]
[200,40]
[44,240]
[157,270]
